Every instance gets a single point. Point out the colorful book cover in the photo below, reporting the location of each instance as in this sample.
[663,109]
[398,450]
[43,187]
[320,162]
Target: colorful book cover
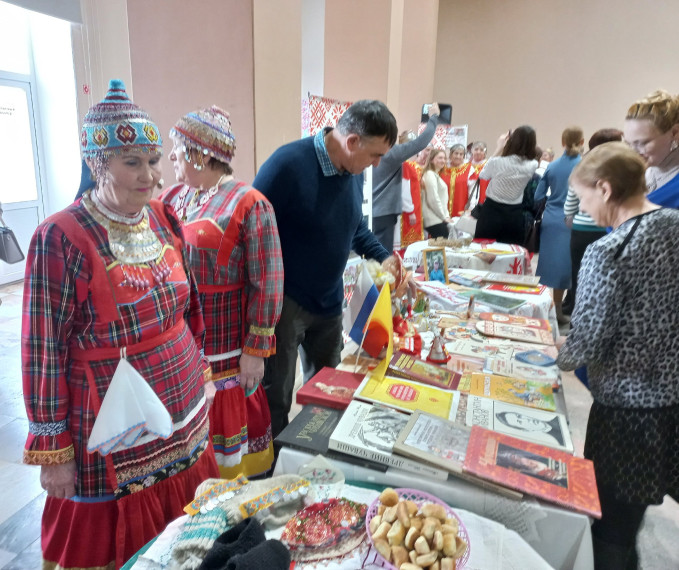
[409,396]
[515,369]
[330,387]
[492,300]
[370,432]
[494,347]
[512,279]
[463,364]
[406,366]
[541,471]
[516,320]
[442,443]
[520,289]
[529,424]
[513,391]
[515,332]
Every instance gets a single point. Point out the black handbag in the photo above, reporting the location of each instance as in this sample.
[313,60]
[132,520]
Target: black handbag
[10,252]
[476,210]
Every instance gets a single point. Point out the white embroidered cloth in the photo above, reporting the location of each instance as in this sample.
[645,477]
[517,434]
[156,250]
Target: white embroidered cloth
[130,409]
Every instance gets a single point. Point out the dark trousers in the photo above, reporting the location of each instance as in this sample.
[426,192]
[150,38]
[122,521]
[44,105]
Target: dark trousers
[319,340]
[614,536]
[383,228]
[579,242]
[438,230]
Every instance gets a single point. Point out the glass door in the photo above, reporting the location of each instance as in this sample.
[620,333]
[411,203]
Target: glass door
[20,188]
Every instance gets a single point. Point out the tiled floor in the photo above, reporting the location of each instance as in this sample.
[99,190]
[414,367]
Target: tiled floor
[22,498]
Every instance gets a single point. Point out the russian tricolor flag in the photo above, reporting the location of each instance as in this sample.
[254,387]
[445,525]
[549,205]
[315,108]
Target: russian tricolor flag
[360,306]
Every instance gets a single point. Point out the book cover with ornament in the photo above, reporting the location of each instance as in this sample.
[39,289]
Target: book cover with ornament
[406,366]
[408,396]
[369,431]
[329,387]
[546,473]
[513,390]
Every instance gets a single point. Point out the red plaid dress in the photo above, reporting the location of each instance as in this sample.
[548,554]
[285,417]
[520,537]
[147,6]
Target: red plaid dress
[235,255]
[76,317]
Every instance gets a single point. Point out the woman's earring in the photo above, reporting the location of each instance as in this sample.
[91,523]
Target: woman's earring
[674,146]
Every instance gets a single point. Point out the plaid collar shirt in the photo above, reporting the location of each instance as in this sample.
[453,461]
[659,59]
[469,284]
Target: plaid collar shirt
[327,166]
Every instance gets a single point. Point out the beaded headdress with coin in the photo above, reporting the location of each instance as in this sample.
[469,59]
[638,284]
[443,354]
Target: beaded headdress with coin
[208,133]
[115,125]
[111,127]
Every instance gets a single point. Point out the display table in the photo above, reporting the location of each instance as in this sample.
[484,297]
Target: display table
[559,536]
[496,256]
[445,297]
[493,546]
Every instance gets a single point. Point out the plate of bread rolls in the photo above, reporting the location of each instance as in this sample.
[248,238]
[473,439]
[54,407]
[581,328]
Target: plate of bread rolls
[413,530]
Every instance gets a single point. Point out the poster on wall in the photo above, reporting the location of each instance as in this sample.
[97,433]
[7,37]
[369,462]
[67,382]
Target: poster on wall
[457,135]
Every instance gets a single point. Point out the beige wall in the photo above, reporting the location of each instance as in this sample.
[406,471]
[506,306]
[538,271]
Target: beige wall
[278,74]
[388,53]
[356,49]
[418,60]
[552,64]
[187,55]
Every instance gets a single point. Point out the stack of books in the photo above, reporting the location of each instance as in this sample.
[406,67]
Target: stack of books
[488,418]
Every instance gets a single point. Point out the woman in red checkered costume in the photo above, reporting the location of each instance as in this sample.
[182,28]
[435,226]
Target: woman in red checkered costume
[235,255]
[114,378]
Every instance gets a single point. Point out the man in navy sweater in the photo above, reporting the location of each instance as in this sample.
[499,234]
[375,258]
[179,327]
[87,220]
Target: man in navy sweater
[316,188]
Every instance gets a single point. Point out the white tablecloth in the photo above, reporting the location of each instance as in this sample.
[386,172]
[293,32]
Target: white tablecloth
[560,537]
[512,259]
[442,296]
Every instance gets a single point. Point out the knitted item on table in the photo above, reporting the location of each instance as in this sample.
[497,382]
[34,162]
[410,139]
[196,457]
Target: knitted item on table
[269,555]
[273,501]
[116,124]
[237,540]
[198,536]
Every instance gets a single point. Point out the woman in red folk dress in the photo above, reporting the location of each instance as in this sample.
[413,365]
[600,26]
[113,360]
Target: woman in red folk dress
[108,297]
[235,254]
[457,177]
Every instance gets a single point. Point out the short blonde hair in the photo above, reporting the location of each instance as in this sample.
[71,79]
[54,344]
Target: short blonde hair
[617,164]
[659,107]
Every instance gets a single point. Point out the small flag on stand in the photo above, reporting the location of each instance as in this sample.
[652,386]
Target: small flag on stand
[360,305]
[380,332]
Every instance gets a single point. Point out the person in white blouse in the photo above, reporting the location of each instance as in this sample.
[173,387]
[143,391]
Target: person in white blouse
[435,196]
[508,173]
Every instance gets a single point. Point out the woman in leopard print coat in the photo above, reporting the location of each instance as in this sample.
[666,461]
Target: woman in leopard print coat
[625,330]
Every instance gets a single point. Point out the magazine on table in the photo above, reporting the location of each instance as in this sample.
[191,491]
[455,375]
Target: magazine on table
[310,431]
[519,289]
[530,322]
[442,443]
[512,278]
[538,470]
[494,301]
[408,396]
[370,431]
[406,366]
[329,387]
[515,332]
[530,424]
[517,391]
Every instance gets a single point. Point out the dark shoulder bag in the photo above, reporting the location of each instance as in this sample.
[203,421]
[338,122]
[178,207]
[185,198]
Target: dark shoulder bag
[10,252]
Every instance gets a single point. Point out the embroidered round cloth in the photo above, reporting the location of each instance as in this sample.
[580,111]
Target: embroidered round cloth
[324,525]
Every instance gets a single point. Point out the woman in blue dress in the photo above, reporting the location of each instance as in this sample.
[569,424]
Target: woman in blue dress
[554,263]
